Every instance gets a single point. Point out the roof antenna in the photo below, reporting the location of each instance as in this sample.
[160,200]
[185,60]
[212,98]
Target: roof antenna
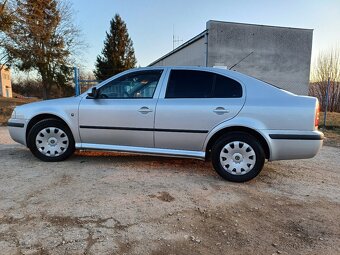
[241,60]
[174,39]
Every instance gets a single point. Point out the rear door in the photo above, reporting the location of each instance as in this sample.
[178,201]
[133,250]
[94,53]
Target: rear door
[192,104]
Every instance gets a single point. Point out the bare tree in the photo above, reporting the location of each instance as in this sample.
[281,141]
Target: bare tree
[6,20]
[327,67]
[43,38]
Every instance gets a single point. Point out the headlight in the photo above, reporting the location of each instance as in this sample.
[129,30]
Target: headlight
[17,114]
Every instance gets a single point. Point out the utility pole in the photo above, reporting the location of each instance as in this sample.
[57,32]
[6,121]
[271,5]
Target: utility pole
[76,80]
[326,103]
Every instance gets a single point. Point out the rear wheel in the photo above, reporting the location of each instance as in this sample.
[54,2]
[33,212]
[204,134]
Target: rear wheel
[51,140]
[238,157]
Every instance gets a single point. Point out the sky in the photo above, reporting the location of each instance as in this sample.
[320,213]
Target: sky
[152,23]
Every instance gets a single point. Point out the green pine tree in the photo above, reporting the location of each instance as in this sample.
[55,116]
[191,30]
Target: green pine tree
[118,54]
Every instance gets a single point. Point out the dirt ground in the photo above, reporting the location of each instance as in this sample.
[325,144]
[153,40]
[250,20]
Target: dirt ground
[106,203]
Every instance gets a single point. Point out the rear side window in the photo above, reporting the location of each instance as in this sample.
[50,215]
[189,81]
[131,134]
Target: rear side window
[227,88]
[201,84]
[189,84]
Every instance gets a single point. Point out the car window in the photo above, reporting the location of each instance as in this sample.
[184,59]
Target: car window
[201,84]
[226,87]
[134,85]
[189,84]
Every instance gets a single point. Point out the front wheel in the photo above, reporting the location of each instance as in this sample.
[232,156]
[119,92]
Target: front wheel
[238,157]
[51,140]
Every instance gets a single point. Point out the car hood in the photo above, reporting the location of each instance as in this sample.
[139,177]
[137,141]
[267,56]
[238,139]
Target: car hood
[58,101]
[52,106]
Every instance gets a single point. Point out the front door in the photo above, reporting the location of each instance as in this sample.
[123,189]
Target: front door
[123,114]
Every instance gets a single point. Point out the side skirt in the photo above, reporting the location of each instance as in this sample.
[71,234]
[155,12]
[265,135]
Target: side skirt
[143,150]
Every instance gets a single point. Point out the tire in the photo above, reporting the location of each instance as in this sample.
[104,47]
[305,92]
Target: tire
[237,157]
[51,140]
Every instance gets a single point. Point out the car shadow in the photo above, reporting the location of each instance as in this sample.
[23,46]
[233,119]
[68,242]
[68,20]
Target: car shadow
[144,161]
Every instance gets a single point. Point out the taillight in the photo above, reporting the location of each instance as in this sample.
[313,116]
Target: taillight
[317,114]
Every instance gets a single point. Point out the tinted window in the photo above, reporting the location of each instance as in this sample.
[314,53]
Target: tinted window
[200,84]
[189,84]
[227,88]
[134,85]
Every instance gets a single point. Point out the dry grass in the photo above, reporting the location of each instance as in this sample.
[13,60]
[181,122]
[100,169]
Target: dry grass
[333,119]
[332,130]
[8,104]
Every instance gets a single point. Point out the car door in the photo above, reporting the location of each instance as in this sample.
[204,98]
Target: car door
[191,105]
[123,114]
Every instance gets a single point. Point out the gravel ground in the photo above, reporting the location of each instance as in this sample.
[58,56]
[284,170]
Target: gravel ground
[107,203]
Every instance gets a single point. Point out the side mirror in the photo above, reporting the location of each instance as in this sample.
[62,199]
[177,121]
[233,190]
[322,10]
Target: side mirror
[93,94]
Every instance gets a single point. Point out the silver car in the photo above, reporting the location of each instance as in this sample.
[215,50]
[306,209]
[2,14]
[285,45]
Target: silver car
[206,113]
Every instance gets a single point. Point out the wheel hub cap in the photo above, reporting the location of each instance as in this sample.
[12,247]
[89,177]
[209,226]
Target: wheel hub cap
[52,141]
[237,158]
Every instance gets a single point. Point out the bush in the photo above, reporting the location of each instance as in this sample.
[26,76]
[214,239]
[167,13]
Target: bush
[33,88]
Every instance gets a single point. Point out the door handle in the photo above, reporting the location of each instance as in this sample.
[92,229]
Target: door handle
[220,111]
[144,110]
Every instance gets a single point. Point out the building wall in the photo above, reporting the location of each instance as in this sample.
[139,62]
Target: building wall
[5,82]
[281,56]
[194,55]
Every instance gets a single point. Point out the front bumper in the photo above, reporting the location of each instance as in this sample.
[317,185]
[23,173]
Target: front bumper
[17,130]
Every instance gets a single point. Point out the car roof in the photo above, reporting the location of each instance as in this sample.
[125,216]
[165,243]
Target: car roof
[201,68]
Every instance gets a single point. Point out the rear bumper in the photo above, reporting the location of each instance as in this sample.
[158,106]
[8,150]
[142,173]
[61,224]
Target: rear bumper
[293,144]
[17,130]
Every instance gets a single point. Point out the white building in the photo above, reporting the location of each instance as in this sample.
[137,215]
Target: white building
[5,82]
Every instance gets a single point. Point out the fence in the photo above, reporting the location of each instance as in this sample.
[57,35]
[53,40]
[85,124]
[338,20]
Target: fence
[82,85]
